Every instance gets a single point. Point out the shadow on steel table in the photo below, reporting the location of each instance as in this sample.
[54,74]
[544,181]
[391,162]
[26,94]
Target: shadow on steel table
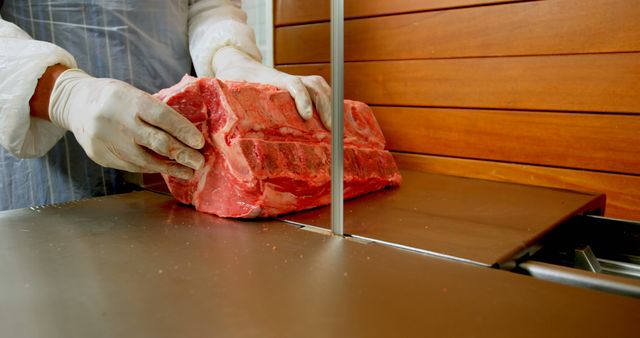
[475,221]
[142,265]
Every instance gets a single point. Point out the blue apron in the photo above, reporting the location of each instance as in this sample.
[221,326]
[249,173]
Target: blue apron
[142,42]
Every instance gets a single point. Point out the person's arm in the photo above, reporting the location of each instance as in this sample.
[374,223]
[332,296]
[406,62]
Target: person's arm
[215,24]
[39,102]
[23,61]
[223,45]
[43,94]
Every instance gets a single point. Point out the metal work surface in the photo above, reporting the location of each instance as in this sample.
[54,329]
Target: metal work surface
[141,265]
[473,220]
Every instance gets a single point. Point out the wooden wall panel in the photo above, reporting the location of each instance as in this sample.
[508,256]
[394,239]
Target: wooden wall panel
[288,12]
[591,141]
[535,92]
[530,28]
[623,191]
[562,83]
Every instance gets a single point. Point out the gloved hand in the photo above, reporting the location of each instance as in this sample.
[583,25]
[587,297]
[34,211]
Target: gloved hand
[231,64]
[122,127]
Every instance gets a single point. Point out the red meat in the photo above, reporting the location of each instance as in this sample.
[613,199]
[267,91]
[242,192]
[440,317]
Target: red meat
[262,159]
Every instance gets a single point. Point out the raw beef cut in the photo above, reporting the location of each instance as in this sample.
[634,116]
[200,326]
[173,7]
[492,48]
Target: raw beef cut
[262,159]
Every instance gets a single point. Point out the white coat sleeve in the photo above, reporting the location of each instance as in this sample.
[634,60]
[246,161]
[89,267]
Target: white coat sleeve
[214,24]
[22,62]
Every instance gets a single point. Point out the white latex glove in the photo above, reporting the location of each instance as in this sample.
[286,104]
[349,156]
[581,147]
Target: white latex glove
[122,127]
[231,64]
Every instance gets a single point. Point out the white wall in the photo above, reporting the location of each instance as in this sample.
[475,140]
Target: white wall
[260,14]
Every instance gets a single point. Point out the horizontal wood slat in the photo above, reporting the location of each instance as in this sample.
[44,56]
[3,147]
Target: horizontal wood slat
[602,142]
[598,82]
[289,12]
[530,28]
[623,191]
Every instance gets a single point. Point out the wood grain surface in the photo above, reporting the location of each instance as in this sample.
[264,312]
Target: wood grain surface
[529,28]
[597,83]
[288,12]
[535,92]
[623,191]
[603,142]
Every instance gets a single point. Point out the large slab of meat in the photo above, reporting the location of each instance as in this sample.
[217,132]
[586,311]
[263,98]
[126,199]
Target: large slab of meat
[262,159]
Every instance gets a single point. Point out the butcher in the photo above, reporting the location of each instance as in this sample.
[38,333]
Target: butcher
[75,78]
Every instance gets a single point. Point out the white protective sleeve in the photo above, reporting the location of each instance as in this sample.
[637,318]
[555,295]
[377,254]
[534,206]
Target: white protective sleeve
[22,62]
[214,24]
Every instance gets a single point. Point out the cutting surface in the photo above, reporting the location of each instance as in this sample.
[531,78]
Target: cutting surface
[474,220]
[141,265]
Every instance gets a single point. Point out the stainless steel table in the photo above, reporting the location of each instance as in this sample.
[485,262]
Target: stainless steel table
[141,265]
[477,221]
